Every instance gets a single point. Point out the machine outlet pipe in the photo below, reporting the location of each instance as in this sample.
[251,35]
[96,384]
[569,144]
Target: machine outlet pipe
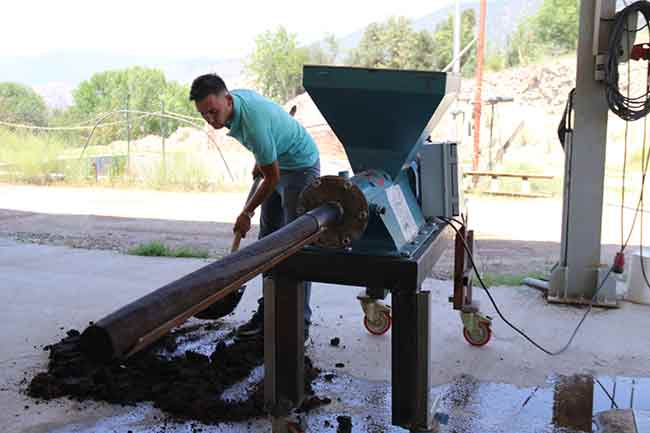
[142,322]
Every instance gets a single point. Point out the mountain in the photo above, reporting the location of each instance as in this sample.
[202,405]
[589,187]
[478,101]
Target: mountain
[76,66]
[55,75]
[56,94]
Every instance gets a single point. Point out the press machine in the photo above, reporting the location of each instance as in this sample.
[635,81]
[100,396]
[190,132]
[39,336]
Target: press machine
[389,237]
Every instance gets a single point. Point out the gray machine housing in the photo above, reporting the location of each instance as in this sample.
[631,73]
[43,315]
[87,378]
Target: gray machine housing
[440,180]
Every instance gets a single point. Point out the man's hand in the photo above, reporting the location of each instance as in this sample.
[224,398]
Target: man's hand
[271,175]
[243,224]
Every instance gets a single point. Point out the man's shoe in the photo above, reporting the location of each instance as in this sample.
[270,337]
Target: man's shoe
[252,329]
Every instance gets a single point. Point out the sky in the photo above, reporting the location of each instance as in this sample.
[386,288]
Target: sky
[187,28]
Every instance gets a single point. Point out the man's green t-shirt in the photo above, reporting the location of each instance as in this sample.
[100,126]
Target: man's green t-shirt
[269,132]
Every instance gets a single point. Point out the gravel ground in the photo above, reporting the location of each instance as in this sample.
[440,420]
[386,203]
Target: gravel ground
[513,237]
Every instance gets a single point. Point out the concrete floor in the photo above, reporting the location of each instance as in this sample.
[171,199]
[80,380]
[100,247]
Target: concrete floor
[46,290]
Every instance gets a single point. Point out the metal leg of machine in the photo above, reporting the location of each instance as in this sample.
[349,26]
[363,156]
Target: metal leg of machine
[284,352]
[413,407]
[477,327]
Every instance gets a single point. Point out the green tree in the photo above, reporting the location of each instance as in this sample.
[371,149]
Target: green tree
[275,66]
[443,41]
[553,29]
[332,46]
[327,55]
[523,45]
[422,46]
[556,24]
[21,104]
[393,44]
[495,59]
[142,89]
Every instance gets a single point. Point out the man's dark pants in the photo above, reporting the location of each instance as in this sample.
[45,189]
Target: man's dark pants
[280,209]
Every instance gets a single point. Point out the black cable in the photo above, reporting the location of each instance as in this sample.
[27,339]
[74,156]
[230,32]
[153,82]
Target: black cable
[566,124]
[625,107]
[637,30]
[646,164]
[643,177]
[496,307]
[645,160]
[607,393]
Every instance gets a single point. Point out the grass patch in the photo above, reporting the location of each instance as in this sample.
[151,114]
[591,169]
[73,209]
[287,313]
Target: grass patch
[492,280]
[41,158]
[28,157]
[158,249]
[183,170]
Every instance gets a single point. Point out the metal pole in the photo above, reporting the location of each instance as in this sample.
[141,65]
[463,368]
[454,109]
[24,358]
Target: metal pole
[456,63]
[460,55]
[576,278]
[479,84]
[128,136]
[457,29]
[162,134]
[491,128]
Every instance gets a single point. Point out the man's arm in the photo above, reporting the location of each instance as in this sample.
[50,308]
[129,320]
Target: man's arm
[271,174]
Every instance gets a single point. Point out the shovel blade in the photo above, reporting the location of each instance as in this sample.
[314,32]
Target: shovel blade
[222,307]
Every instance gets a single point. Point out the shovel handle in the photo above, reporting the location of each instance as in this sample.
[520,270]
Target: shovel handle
[235,242]
[237,239]
[256,182]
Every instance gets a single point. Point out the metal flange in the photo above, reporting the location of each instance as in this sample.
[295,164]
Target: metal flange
[346,194]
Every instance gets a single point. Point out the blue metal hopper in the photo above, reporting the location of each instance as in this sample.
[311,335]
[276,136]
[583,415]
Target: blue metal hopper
[381,116]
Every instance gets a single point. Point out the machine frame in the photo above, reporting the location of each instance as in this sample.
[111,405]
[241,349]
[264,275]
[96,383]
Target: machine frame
[413,406]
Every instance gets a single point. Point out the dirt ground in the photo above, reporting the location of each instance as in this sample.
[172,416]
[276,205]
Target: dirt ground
[513,236]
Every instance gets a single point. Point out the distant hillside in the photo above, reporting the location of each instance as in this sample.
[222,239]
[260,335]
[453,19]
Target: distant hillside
[76,66]
[56,75]
[502,18]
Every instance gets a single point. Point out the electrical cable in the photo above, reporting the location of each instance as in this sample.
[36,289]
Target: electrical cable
[627,108]
[625,147]
[565,127]
[622,20]
[79,127]
[496,307]
[646,162]
[611,398]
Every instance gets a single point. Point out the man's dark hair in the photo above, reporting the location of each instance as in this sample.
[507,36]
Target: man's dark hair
[205,85]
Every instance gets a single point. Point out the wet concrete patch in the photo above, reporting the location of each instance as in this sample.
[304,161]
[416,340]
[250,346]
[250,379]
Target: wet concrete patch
[562,405]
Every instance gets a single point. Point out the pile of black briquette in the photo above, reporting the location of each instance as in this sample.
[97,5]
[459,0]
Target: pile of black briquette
[187,386]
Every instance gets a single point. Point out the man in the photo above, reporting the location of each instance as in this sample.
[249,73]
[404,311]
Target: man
[285,155]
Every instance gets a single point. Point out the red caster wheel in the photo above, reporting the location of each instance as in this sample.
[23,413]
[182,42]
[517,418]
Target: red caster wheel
[381,325]
[480,336]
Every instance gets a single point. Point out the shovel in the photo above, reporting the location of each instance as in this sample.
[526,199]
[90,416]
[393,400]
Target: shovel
[227,305]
